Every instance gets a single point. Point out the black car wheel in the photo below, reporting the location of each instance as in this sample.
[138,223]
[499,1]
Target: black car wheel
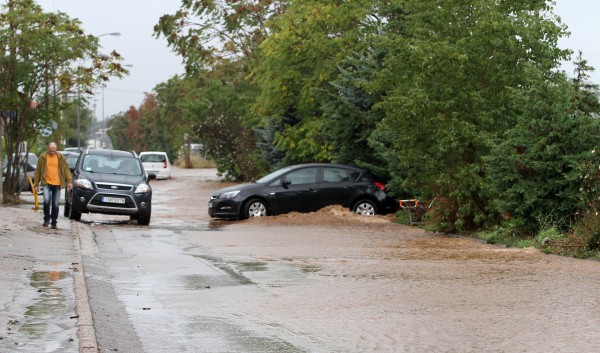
[255,208]
[67,207]
[74,214]
[365,207]
[143,219]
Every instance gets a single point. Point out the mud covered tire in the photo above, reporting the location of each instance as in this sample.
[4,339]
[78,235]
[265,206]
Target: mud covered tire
[365,208]
[254,208]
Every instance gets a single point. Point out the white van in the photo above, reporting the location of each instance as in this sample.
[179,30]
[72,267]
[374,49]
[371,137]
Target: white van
[156,163]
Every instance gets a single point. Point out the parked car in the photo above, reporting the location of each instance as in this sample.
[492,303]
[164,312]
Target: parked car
[110,182]
[71,157]
[26,170]
[304,188]
[73,149]
[156,163]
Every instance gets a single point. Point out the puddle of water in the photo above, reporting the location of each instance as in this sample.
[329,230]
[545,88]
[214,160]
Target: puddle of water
[49,304]
[48,325]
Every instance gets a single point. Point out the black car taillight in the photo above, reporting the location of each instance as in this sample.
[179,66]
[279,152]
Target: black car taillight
[380,186]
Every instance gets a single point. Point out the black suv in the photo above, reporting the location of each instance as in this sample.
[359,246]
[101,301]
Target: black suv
[110,182]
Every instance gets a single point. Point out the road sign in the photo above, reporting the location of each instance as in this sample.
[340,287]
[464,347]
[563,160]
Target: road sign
[46,131]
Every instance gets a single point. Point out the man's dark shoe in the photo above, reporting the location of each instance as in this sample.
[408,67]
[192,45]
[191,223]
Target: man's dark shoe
[45,224]
[53,226]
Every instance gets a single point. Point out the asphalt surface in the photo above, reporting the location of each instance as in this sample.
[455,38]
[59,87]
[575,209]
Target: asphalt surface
[43,297]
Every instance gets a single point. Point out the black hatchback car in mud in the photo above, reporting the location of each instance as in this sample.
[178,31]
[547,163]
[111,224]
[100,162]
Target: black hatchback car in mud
[110,182]
[303,188]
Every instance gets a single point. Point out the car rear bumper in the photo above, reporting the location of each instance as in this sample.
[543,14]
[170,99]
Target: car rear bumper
[160,173]
[389,205]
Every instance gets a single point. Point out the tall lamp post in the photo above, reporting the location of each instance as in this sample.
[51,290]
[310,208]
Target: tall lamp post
[116,34]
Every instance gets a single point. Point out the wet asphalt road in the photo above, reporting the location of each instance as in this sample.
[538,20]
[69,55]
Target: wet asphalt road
[324,282]
[149,287]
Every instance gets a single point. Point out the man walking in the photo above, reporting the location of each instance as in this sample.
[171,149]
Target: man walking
[52,173]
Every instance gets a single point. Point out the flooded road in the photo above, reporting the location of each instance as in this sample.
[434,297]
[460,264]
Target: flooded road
[328,281]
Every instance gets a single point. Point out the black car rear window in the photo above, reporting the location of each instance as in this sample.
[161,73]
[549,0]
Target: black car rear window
[335,175]
[366,176]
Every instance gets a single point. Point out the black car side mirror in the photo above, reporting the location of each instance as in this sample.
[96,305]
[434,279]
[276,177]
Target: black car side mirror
[286,182]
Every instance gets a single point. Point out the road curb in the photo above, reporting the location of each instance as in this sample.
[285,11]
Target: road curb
[85,324]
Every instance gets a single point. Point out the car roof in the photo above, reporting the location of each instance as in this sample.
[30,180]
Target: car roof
[347,166]
[106,152]
[153,152]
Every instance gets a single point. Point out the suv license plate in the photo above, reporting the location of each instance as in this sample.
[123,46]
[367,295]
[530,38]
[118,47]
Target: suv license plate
[113,199]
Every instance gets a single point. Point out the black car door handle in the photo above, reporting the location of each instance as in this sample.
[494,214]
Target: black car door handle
[312,189]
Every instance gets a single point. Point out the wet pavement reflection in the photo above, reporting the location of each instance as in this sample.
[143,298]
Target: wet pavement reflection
[49,322]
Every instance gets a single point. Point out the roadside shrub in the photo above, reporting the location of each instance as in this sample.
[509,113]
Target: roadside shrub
[549,235]
[594,241]
[511,232]
[197,162]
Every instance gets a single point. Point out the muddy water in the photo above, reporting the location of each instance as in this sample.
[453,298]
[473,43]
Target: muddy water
[332,281]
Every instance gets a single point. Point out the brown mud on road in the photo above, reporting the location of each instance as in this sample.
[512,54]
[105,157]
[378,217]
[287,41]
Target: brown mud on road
[366,284]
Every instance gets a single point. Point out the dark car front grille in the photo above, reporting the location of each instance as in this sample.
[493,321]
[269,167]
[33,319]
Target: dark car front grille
[113,186]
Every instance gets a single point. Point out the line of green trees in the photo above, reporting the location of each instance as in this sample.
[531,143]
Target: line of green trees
[461,101]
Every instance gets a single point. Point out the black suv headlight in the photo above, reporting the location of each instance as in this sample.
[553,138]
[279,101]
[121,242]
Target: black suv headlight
[142,188]
[83,183]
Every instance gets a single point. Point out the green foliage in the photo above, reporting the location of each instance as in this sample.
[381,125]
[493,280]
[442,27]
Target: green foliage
[448,76]
[350,114]
[549,234]
[226,29]
[461,102]
[589,179]
[297,63]
[511,232]
[45,57]
[536,168]
[219,103]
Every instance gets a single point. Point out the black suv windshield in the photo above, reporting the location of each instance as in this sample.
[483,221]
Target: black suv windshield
[110,164]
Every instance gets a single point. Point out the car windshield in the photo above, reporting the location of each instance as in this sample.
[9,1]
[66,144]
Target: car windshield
[267,178]
[110,164]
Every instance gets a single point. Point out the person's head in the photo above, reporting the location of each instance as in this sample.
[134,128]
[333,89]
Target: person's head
[52,148]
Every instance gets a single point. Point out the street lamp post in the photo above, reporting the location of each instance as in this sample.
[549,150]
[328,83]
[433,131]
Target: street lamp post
[116,34]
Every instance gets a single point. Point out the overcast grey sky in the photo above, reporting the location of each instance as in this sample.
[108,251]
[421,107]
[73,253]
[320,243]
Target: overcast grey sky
[154,63]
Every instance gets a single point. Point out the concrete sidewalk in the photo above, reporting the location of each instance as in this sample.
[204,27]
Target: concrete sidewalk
[43,297]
